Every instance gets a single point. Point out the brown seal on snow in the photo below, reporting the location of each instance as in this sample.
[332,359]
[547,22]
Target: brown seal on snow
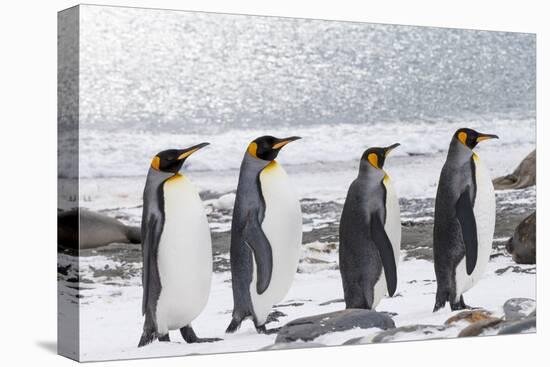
[523,176]
[522,245]
[96,230]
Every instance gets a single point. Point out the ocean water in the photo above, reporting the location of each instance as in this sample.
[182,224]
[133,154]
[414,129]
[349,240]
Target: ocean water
[127,153]
[152,80]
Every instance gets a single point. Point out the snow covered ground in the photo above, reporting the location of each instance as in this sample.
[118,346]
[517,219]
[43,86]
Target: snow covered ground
[111,320]
[110,291]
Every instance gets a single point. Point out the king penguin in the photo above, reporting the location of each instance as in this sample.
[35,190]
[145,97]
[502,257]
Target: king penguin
[370,234]
[266,234]
[177,250]
[464,220]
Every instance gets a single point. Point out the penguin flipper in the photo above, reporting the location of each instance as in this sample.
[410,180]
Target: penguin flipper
[385,249]
[467,220]
[256,240]
[151,279]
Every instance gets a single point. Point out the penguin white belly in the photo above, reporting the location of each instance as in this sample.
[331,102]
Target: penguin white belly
[184,256]
[484,213]
[282,226]
[393,230]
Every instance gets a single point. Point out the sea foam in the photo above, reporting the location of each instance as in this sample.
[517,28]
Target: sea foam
[129,153]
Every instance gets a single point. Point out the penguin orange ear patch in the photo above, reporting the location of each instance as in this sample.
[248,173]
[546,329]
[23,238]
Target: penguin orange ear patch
[462,136]
[253,149]
[156,163]
[373,159]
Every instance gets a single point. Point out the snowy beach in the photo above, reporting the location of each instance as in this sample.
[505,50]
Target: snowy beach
[110,277]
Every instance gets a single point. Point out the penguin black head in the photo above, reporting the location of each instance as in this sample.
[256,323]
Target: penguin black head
[171,160]
[470,137]
[267,147]
[377,156]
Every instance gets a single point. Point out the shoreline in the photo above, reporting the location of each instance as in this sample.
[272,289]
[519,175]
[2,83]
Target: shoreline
[512,207]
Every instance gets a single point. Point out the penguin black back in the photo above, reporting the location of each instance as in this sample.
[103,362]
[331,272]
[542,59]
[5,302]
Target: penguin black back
[254,245]
[368,253]
[163,166]
[456,239]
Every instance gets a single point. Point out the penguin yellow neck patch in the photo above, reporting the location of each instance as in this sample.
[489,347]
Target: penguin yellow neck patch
[253,149]
[177,176]
[270,166]
[156,163]
[373,159]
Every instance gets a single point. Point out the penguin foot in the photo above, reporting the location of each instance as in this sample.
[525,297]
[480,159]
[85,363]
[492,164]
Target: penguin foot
[467,307]
[190,337]
[464,305]
[457,306]
[233,326]
[438,306]
[461,305]
[440,299]
[146,338]
[164,338]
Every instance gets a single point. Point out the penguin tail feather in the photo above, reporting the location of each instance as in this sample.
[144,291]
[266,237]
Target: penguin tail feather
[147,337]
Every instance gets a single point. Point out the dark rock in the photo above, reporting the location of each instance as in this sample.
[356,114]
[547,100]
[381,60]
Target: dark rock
[122,271]
[221,264]
[520,326]
[516,269]
[478,327]
[313,206]
[309,328]
[209,195]
[355,341]
[274,316]
[471,316]
[417,240]
[327,234]
[312,260]
[522,245]
[220,242]
[518,308]
[63,270]
[428,331]
[524,175]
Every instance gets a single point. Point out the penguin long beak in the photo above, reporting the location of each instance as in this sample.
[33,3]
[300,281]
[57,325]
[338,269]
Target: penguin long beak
[482,137]
[387,150]
[187,152]
[282,142]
